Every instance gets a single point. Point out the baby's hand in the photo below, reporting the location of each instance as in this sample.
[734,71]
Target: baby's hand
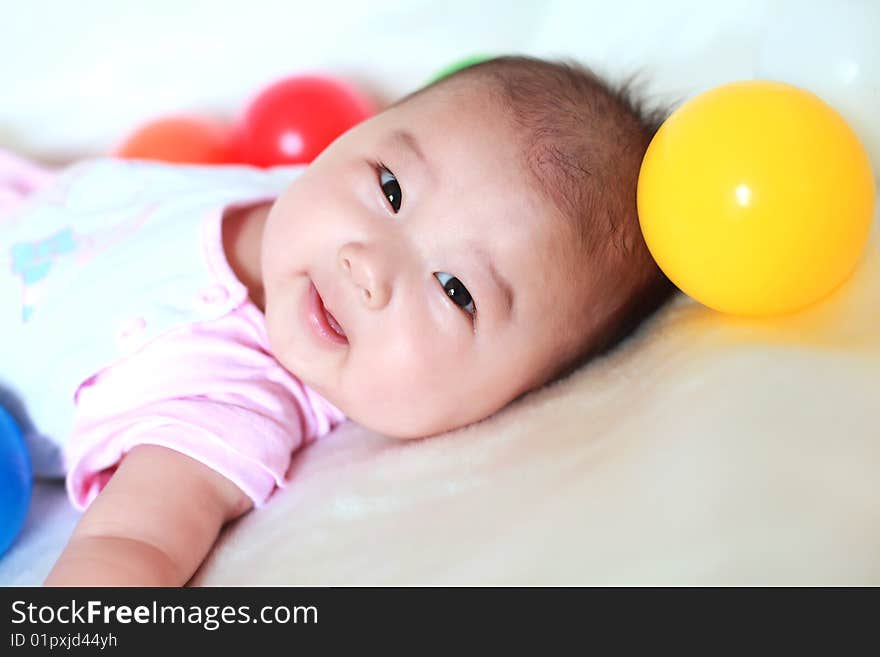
[152,525]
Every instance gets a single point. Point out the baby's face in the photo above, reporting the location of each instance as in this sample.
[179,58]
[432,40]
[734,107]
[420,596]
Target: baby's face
[447,273]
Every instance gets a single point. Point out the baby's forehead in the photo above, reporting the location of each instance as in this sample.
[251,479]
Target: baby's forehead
[465,142]
[459,107]
[476,120]
[481,165]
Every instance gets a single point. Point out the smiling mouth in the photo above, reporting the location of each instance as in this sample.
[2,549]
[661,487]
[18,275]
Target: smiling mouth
[331,320]
[330,326]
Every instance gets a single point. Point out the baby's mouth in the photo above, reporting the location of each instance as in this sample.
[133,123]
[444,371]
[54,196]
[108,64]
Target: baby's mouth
[334,325]
[331,320]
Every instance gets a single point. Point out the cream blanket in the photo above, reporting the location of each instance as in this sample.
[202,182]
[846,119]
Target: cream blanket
[706,449]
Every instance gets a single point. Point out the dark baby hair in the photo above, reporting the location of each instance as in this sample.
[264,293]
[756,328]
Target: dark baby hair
[584,140]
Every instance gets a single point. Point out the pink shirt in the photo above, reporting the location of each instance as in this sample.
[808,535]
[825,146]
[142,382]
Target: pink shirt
[211,390]
[199,379]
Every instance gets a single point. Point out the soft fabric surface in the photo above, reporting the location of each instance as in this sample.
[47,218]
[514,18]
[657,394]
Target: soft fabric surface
[49,524]
[707,449]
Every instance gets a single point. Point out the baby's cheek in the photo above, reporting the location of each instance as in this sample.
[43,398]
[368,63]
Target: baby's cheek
[282,336]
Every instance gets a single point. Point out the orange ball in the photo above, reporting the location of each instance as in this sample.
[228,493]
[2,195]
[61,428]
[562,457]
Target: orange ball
[181,139]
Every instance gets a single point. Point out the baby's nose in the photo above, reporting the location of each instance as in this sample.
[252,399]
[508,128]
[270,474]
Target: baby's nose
[364,269]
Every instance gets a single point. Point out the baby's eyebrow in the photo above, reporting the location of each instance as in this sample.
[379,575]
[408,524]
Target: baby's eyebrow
[500,281]
[408,140]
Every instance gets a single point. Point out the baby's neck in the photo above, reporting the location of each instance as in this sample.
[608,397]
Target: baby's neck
[242,239]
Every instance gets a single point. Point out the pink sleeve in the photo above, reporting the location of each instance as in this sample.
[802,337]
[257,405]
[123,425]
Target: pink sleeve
[250,448]
[209,389]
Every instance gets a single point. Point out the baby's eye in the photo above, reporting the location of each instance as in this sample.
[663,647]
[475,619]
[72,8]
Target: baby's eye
[391,188]
[457,292]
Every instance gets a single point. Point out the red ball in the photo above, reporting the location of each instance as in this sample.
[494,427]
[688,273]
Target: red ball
[296,118]
[183,139]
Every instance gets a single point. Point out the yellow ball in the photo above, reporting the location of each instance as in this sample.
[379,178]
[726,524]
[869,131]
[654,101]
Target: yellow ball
[756,198]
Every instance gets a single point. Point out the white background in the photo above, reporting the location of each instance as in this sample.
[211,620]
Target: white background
[75,77]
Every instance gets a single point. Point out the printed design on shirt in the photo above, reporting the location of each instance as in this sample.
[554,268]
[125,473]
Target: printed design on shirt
[31,261]
[34,261]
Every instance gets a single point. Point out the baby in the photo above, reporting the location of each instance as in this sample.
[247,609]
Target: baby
[472,243]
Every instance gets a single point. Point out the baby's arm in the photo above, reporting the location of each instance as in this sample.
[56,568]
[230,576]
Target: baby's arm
[152,525]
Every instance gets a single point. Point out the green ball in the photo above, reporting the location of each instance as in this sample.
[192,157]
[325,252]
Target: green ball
[458,65]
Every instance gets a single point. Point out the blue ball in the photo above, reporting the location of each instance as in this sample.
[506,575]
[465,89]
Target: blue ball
[16,476]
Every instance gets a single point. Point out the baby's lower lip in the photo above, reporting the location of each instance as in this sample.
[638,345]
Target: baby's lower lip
[333,323]
[317,318]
